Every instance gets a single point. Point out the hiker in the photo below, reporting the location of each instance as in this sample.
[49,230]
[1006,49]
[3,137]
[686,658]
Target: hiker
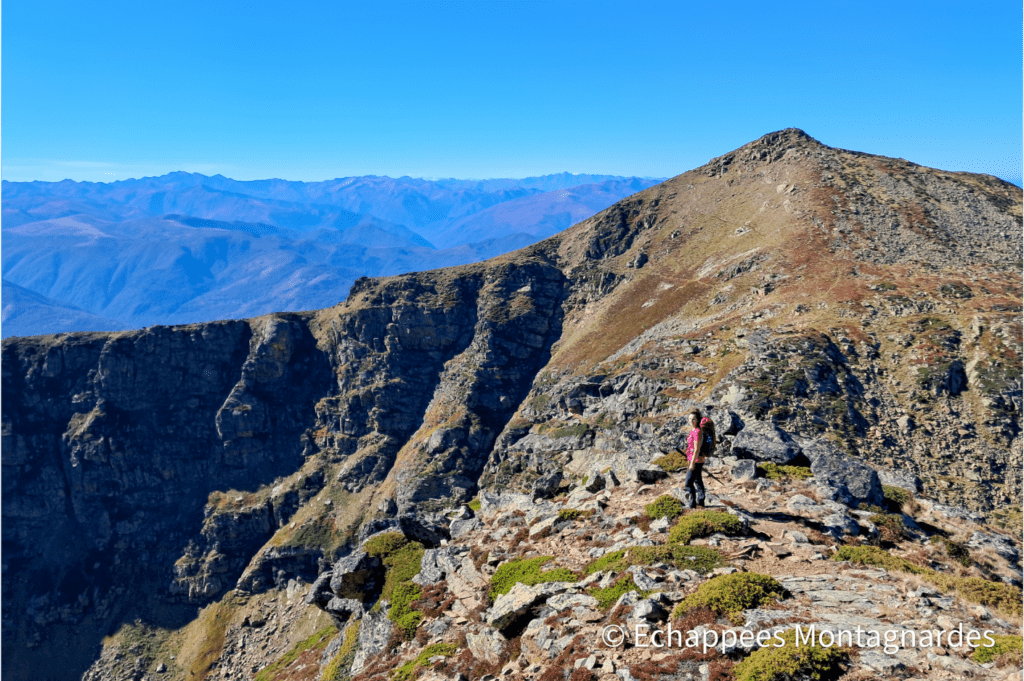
[696,448]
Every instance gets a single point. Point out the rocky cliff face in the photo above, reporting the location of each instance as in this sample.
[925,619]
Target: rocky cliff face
[157,483]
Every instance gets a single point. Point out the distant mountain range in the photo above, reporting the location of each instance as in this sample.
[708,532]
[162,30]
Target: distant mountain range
[184,247]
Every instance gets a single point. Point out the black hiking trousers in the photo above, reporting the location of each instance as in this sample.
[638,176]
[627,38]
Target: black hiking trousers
[693,483]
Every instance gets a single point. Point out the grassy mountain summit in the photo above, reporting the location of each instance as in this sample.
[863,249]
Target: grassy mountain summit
[823,305]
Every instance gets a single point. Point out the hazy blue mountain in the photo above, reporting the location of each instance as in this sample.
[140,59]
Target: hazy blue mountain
[26,313]
[185,247]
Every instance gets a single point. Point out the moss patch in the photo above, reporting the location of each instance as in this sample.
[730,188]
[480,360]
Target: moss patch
[791,661]
[895,497]
[572,514]
[1004,645]
[775,472]
[730,595]
[700,559]
[665,506]
[400,556]
[703,524]
[526,571]
[404,617]
[606,598]
[672,462]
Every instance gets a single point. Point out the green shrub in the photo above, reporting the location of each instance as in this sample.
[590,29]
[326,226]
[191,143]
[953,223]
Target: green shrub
[775,472]
[791,661]
[730,595]
[526,571]
[672,462]
[475,505]
[703,524]
[606,598]
[872,555]
[957,552]
[665,506]
[1004,644]
[700,559]
[1001,596]
[407,671]
[400,613]
[609,561]
[896,497]
[890,526]
[572,514]
[385,544]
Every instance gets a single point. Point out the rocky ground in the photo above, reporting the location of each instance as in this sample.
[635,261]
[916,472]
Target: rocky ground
[550,630]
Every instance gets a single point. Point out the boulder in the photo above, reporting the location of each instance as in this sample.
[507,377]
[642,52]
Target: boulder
[838,525]
[903,479]
[461,527]
[762,441]
[436,564]
[842,478]
[648,610]
[374,634]
[546,486]
[744,469]
[342,610]
[320,593]
[487,645]
[518,601]
[357,575]
[426,528]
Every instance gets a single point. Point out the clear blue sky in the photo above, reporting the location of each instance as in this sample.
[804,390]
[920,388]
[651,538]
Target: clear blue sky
[312,91]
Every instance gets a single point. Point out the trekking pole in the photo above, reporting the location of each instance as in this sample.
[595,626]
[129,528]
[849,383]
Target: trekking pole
[704,472]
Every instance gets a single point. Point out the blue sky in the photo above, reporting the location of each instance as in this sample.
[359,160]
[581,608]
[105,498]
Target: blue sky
[104,91]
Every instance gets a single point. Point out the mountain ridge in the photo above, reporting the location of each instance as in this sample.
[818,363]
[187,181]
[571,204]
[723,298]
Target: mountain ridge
[748,285]
[322,239]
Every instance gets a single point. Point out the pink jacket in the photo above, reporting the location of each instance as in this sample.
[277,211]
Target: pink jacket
[691,445]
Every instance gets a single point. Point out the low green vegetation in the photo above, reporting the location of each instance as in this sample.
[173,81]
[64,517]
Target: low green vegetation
[567,514]
[791,661]
[526,571]
[957,552]
[673,462]
[408,671]
[703,524]
[700,559]
[475,505]
[730,595]
[665,506]
[342,661]
[775,472]
[402,559]
[1004,645]
[317,641]
[1001,596]
[890,526]
[575,430]
[607,597]
[896,497]
[404,617]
